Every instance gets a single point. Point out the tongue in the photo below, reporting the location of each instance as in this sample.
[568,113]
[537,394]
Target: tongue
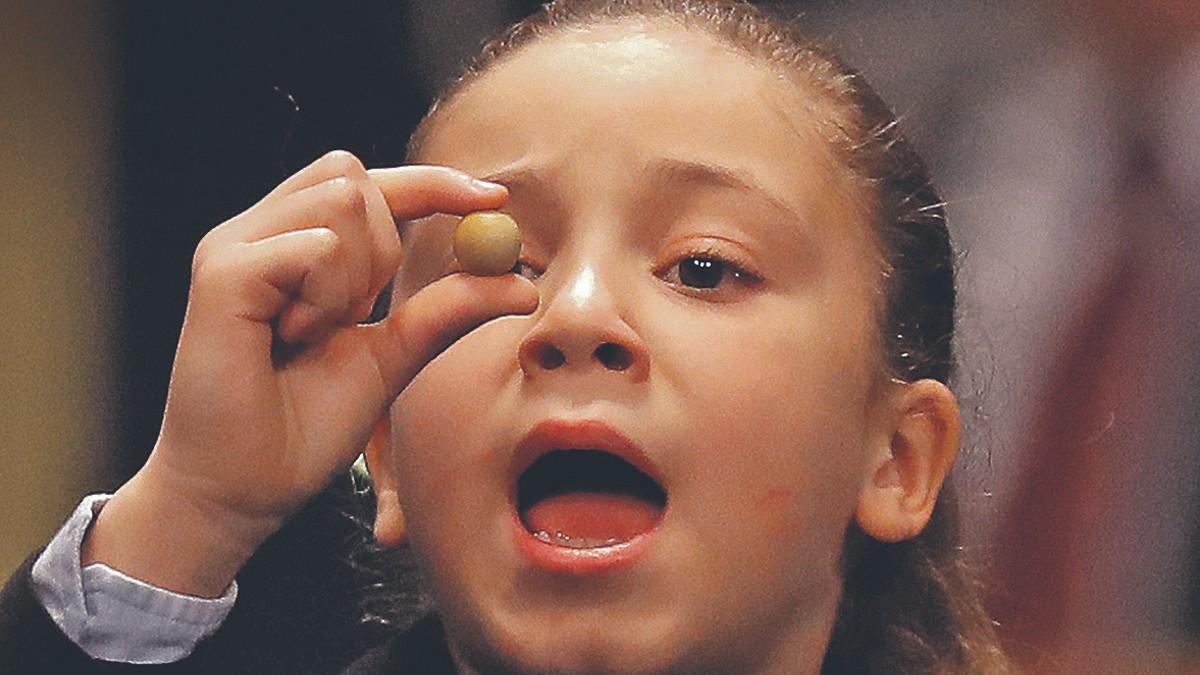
[598,518]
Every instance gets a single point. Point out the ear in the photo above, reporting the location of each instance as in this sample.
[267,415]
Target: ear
[918,442]
[389,519]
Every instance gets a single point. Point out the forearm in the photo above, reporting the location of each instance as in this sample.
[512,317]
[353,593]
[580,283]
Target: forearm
[297,607]
[149,534]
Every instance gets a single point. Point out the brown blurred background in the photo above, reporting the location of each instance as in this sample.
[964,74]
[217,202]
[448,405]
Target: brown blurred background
[1064,135]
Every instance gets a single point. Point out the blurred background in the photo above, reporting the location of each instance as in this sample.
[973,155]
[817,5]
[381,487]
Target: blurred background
[1065,137]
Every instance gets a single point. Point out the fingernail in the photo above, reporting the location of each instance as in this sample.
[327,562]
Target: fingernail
[485,186]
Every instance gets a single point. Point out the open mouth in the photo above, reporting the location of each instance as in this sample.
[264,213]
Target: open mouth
[581,498]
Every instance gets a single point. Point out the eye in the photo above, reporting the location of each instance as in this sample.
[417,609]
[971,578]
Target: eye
[701,272]
[707,271]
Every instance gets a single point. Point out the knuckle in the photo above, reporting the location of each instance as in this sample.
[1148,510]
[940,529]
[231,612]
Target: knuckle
[344,163]
[348,195]
[214,268]
[205,250]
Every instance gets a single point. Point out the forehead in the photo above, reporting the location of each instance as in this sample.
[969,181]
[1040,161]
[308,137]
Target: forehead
[609,99]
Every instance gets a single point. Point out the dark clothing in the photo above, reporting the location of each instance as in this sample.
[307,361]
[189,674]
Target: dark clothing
[297,612]
[420,649]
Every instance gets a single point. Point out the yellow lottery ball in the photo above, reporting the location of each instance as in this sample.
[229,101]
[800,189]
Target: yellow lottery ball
[487,243]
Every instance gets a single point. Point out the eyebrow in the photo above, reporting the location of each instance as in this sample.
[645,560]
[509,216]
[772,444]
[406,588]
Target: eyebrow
[666,171]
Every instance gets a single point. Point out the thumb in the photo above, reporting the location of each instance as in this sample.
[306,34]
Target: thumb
[424,325]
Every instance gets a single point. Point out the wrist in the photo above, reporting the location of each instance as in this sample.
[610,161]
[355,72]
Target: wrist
[149,532]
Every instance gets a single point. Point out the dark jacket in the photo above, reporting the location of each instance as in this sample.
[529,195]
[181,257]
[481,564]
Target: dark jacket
[297,611]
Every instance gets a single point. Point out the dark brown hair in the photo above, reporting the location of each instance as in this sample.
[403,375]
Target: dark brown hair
[911,606]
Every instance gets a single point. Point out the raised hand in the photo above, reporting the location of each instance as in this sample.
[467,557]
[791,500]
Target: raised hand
[276,387]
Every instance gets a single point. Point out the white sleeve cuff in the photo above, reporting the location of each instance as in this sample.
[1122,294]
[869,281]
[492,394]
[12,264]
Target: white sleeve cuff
[112,616]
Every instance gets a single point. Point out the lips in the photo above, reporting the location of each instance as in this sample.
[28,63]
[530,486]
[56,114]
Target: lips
[583,486]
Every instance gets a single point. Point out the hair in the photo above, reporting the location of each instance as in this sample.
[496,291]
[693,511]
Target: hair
[911,606]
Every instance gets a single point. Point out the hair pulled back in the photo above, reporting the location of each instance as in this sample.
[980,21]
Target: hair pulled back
[910,606]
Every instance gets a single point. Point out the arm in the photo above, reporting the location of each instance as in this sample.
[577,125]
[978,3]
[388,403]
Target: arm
[296,613]
[276,388]
[54,619]
[112,616]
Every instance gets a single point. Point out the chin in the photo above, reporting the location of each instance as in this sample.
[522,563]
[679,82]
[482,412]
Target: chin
[589,642]
[569,658]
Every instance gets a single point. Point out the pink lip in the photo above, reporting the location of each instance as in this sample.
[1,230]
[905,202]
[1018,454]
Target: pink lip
[578,435]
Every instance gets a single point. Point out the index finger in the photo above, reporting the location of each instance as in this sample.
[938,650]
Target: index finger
[417,191]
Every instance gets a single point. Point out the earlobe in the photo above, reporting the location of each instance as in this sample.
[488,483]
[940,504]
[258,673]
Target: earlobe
[906,471]
[390,529]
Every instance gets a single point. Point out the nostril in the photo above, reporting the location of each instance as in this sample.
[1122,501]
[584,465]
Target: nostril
[550,357]
[614,356]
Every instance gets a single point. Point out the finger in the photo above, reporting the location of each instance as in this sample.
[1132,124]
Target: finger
[310,286]
[418,191]
[256,281]
[386,250]
[423,326]
[324,303]
[327,166]
[340,204]
[356,209]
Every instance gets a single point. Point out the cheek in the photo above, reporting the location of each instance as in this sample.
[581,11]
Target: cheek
[446,456]
[786,458]
[788,386]
[778,418]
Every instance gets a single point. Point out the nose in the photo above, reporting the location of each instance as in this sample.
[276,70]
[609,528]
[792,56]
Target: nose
[582,330]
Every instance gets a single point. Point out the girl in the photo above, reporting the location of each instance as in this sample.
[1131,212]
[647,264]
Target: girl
[703,427]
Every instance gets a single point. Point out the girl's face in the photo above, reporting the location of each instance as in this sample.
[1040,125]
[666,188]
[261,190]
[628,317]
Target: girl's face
[707,292]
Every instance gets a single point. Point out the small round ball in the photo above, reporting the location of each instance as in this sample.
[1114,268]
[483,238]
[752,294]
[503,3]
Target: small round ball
[487,243]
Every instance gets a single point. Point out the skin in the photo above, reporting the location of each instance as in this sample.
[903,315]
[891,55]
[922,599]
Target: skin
[762,401]
[270,352]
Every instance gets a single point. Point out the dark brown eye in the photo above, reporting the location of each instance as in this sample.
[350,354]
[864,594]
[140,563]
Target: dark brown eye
[698,272]
[712,275]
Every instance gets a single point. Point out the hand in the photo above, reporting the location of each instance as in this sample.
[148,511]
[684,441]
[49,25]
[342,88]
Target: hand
[276,388]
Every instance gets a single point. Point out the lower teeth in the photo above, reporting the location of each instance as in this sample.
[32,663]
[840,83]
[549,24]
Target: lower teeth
[560,539]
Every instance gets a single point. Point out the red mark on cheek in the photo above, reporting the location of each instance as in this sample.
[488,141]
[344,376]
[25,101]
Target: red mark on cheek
[772,507]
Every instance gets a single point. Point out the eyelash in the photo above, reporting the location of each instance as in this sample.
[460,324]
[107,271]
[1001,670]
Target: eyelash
[735,269]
